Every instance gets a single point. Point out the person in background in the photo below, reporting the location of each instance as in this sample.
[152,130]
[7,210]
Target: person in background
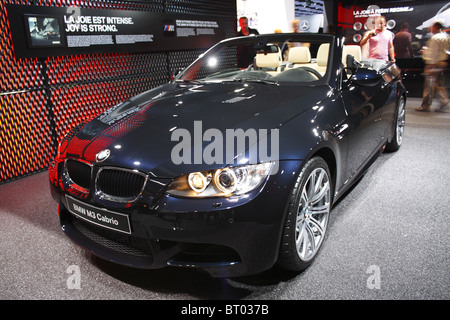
[296,29]
[436,61]
[332,29]
[245,30]
[295,25]
[402,42]
[380,41]
[246,54]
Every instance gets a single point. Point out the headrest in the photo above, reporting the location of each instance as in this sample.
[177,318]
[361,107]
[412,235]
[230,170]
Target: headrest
[299,55]
[322,54]
[268,60]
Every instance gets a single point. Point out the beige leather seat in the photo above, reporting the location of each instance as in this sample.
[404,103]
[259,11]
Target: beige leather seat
[299,56]
[268,60]
[322,58]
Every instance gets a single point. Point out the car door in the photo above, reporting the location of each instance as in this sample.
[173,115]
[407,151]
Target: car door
[365,103]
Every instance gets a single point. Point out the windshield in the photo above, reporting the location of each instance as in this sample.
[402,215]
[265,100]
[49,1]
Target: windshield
[276,59]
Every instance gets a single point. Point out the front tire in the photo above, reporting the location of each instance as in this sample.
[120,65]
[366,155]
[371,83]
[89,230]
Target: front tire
[307,217]
[399,128]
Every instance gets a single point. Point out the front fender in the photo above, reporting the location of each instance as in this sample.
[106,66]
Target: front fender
[320,131]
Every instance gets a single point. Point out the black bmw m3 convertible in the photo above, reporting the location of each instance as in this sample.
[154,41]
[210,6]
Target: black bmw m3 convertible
[234,165]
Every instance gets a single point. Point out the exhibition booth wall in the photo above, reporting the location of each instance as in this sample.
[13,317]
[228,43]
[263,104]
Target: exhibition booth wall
[54,79]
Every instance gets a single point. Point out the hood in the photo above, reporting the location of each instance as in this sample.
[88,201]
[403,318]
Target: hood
[144,132]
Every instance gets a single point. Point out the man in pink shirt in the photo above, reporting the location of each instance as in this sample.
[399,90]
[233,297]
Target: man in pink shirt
[380,41]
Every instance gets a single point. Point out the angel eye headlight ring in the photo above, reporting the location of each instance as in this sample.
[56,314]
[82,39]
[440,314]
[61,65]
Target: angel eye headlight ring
[225,180]
[198,181]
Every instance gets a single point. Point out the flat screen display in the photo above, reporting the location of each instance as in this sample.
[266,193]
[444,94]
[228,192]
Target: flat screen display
[43,31]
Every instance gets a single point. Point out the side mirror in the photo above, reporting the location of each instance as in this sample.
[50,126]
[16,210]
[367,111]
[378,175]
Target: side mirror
[352,63]
[351,66]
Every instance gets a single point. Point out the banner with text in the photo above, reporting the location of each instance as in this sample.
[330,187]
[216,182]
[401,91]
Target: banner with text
[39,31]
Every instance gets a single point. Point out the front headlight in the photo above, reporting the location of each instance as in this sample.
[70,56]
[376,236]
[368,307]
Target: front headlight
[221,182]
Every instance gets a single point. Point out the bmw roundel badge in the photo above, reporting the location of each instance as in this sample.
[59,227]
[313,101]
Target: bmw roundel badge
[102,155]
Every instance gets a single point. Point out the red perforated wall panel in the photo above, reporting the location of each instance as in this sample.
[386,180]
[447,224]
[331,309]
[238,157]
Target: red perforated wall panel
[42,99]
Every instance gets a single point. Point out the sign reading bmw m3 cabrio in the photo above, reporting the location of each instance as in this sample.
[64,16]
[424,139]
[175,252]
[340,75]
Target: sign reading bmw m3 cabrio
[40,31]
[105,218]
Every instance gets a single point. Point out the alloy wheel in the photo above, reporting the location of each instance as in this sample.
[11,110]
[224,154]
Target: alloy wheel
[312,214]
[400,121]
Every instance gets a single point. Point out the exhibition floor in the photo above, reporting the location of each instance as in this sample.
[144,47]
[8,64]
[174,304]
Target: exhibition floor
[387,239]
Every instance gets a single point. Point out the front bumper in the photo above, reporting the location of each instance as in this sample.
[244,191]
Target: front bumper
[224,236]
